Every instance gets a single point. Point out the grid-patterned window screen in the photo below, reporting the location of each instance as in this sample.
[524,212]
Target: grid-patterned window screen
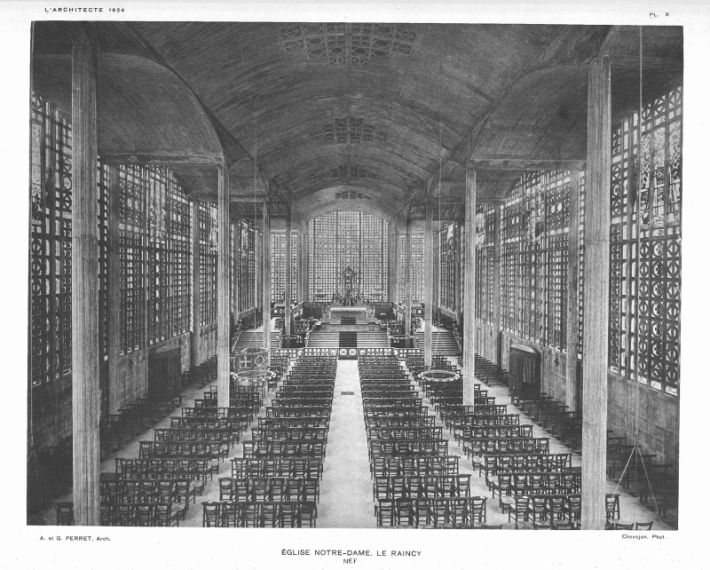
[50,246]
[375,240]
[207,250]
[535,230]
[340,240]
[322,268]
[278,265]
[155,252]
[168,253]
[132,240]
[510,260]
[348,245]
[485,262]
[246,259]
[557,232]
[102,177]
[580,268]
[450,255]
[645,256]
[416,267]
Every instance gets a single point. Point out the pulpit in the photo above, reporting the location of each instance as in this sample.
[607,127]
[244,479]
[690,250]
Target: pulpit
[524,369]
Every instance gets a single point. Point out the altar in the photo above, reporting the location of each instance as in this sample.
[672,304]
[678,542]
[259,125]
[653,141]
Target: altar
[360,313]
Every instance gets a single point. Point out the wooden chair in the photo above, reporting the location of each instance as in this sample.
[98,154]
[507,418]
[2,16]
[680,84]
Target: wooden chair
[477,510]
[211,514]
[165,516]
[519,511]
[573,508]
[537,509]
[404,512]
[564,525]
[145,515]
[231,515]
[459,513]
[622,526]
[105,514]
[65,514]
[226,489]
[307,515]
[289,514]
[613,510]
[384,512]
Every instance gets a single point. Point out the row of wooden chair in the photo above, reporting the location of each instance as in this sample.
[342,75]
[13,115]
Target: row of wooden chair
[149,491]
[437,513]
[268,489]
[422,486]
[141,514]
[296,467]
[550,483]
[259,515]
[190,468]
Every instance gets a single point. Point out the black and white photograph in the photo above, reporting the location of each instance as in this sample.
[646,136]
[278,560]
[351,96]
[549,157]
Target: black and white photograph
[349,268]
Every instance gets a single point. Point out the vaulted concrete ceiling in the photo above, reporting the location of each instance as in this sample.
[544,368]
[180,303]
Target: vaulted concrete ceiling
[378,116]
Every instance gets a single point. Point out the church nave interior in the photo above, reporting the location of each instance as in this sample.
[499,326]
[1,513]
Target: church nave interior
[343,275]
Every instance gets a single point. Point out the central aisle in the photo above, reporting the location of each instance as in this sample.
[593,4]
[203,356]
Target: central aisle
[346,489]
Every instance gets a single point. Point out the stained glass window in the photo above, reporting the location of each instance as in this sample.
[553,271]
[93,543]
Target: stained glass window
[557,232]
[322,267]
[374,252]
[168,253]
[132,239]
[207,251]
[416,267]
[449,254]
[510,259]
[278,265]
[345,239]
[485,262]
[246,243]
[535,253]
[102,177]
[155,252]
[644,289]
[580,268]
[50,246]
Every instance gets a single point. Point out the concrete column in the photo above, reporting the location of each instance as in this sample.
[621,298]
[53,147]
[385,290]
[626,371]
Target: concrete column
[85,293]
[393,258]
[469,289]
[223,286]
[266,276]
[287,278]
[114,293]
[428,282]
[596,294]
[572,292]
[195,289]
[408,282]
